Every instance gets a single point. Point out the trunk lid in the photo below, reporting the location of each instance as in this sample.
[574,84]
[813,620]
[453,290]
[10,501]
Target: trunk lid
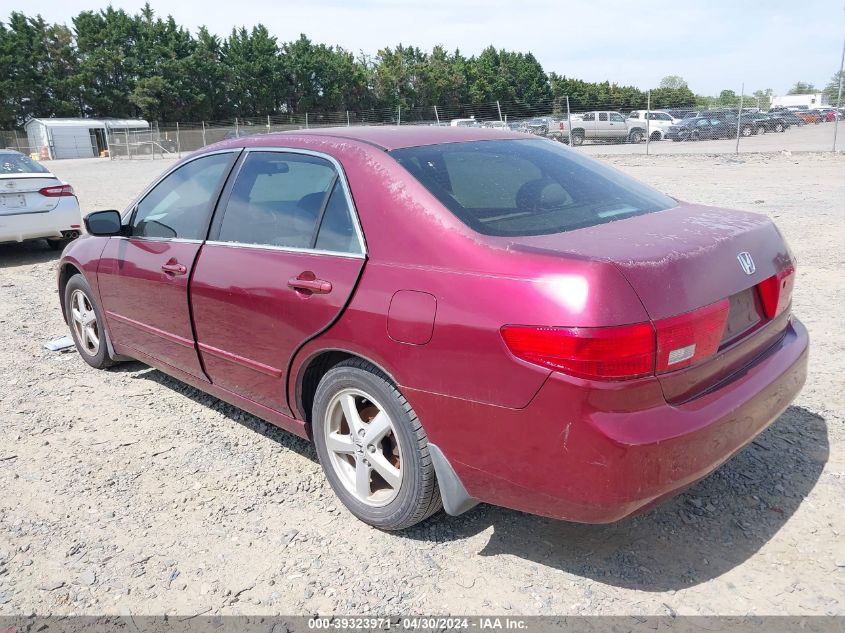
[683,259]
[19,193]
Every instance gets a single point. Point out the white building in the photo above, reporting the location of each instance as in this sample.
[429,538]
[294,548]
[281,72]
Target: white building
[76,138]
[805,102]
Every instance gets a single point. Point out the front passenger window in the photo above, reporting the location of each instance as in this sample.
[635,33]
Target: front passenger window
[179,205]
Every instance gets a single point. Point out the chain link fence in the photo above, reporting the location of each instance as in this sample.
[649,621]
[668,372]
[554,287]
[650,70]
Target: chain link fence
[597,127]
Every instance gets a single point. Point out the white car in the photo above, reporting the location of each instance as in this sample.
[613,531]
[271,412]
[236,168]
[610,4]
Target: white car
[658,122]
[34,203]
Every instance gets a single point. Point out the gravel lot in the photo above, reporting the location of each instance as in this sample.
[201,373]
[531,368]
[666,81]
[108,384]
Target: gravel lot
[126,491]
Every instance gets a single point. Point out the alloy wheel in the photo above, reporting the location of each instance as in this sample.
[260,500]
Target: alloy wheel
[85,322]
[363,447]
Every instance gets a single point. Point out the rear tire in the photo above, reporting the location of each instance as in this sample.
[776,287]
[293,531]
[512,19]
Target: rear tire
[86,323]
[56,245]
[373,448]
[635,136]
[779,127]
[746,130]
[577,137]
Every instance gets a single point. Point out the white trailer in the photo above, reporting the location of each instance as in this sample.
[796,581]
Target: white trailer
[804,102]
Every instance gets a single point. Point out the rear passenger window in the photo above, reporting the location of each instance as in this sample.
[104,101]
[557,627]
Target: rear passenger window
[602,116]
[277,199]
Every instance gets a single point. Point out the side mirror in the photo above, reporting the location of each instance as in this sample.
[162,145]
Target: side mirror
[103,223]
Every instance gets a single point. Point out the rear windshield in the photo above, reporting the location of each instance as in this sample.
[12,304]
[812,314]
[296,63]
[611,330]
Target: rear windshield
[526,187]
[20,164]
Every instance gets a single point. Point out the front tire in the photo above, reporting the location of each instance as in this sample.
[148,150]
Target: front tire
[373,448]
[747,130]
[86,323]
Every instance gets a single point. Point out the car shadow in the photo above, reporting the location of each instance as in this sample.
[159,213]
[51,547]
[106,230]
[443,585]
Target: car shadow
[703,533]
[16,254]
[283,438]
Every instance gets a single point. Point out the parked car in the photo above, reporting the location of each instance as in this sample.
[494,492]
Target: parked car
[827,114]
[789,117]
[809,116]
[679,113]
[542,125]
[656,122]
[604,126]
[451,314]
[703,127]
[772,121]
[34,203]
[471,122]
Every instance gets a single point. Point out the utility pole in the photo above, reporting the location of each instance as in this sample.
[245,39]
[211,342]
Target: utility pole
[839,98]
[739,116]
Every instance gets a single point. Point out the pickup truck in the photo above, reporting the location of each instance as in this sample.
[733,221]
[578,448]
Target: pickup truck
[604,126]
[657,124]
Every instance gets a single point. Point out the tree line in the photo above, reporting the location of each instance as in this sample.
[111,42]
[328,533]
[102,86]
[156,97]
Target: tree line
[112,64]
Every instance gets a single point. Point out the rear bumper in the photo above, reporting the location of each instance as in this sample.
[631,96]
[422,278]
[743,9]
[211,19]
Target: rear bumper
[27,226]
[599,453]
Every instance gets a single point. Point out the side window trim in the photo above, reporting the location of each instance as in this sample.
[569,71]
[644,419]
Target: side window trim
[128,218]
[339,179]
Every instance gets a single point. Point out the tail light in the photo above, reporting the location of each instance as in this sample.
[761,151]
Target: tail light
[562,125]
[688,338]
[776,292]
[622,352]
[625,351]
[56,191]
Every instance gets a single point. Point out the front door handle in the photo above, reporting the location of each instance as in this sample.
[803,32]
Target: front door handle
[174,268]
[309,283]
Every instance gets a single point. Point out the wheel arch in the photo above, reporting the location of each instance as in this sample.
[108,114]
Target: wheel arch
[312,370]
[66,271]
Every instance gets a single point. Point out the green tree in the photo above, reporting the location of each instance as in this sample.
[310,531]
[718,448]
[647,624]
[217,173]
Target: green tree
[252,72]
[802,88]
[322,78]
[832,88]
[516,80]
[673,82]
[106,43]
[762,98]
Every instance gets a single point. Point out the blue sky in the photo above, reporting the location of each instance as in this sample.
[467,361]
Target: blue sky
[713,44]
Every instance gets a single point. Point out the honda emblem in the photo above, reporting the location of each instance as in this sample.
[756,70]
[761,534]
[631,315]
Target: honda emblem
[746,262]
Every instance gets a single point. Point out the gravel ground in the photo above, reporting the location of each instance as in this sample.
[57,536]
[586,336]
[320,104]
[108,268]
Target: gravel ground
[126,491]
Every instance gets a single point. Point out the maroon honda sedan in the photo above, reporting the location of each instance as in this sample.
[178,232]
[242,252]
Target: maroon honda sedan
[451,315]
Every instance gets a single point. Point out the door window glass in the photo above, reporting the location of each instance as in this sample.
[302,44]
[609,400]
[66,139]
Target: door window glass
[616,117]
[602,116]
[337,232]
[179,206]
[276,200]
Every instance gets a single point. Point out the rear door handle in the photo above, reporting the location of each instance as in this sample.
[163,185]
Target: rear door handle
[172,268]
[316,286]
